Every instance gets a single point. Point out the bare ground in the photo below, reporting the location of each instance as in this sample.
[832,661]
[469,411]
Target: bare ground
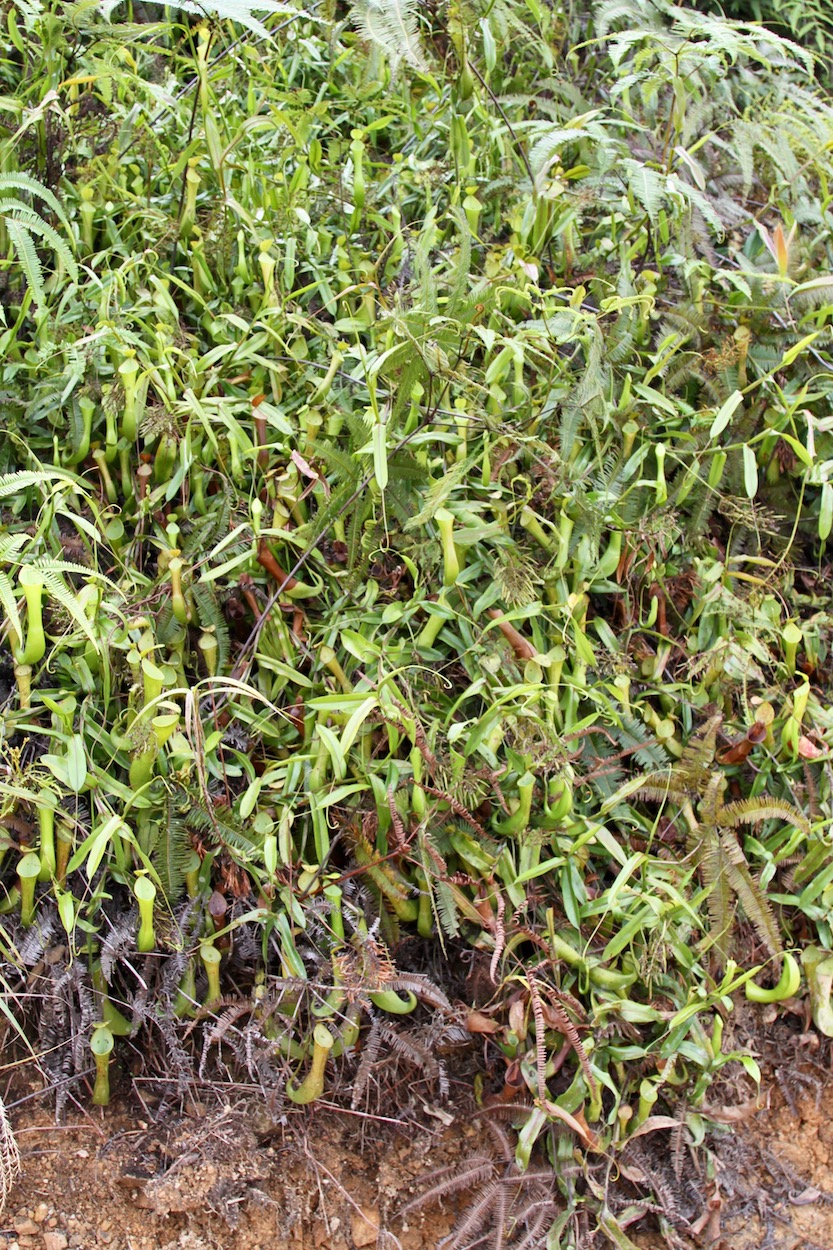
[228,1177]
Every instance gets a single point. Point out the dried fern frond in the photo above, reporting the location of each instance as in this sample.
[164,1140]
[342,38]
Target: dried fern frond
[370,1056]
[9,1157]
[566,1027]
[423,988]
[452,1179]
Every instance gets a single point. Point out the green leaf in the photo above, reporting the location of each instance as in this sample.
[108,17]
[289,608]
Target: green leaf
[750,471]
[724,414]
[76,763]
[380,454]
[356,721]
[798,447]
[795,351]
[334,751]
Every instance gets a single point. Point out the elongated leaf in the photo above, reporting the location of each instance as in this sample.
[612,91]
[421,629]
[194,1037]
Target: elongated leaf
[76,763]
[724,414]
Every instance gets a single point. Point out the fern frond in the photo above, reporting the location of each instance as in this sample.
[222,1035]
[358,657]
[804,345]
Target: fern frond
[634,738]
[646,185]
[28,258]
[11,483]
[35,224]
[9,604]
[392,26]
[423,988]
[9,1157]
[566,1027]
[25,182]
[698,753]
[460,276]
[757,909]
[68,601]
[412,1050]
[440,490]
[452,1179]
[712,865]
[370,1055]
[171,855]
[445,910]
[756,811]
[232,10]
[210,615]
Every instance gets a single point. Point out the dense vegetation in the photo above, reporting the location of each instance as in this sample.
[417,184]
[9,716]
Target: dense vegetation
[417,436]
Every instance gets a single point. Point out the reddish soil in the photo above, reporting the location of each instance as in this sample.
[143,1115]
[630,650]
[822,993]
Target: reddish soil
[227,1177]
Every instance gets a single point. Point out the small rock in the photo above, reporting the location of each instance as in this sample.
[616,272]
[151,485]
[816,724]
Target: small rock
[364,1225]
[40,1212]
[55,1241]
[24,1227]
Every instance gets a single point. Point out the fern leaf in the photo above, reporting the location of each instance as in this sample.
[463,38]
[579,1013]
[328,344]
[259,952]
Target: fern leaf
[232,10]
[698,753]
[10,546]
[756,811]
[25,182]
[171,855]
[58,590]
[28,258]
[452,1179]
[11,483]
[698,200]
[210,615]
[646,185]
[370,1056]
[441,489]
[757,909]
[392,26]
[719,897]
[553,139]
[36,225]
[423,988]
[9,1157]
[9,604]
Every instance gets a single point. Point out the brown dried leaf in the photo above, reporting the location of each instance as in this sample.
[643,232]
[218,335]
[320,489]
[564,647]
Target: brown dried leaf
[576,1122]
[653,1124]
[741,1113]
[806,1197]
[476,1022]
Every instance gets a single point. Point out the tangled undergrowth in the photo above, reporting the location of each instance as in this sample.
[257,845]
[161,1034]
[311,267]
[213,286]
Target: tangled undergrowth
[416,457]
